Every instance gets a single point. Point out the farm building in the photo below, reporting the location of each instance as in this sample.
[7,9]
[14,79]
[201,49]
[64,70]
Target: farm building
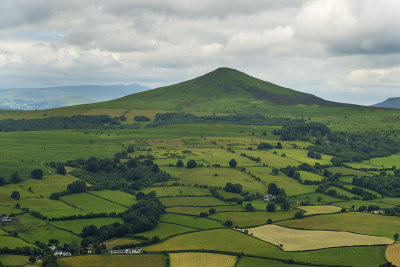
[269,197]
[4,218]
[136,250]
[60,253]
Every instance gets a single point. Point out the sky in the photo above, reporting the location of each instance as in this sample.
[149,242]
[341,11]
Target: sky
[341,50]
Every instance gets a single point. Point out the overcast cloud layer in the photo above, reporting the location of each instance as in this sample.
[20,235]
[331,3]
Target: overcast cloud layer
[341,50]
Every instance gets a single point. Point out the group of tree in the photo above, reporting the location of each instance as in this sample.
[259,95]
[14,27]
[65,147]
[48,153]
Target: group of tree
[233,188]
[57,123]
[119,173]
[184,118]
[142,216]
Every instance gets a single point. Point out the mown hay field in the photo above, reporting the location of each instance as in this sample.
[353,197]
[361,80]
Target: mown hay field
[356,222]
[393,254]
[192,201]
[113,261]
[234,241]
[300,240]
[172,191]
[216,177]
[320,209]
[201,259]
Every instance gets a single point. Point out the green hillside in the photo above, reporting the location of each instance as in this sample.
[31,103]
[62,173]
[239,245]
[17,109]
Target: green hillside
[221,86]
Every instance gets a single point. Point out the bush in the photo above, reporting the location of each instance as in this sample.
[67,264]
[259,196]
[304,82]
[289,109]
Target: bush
[141,119]
[15,195]
[232,163]
[212,210]
[271,207]
[299,214]
[249,207]
[179,164]
[61,170]
[37,174]
[203,214]
[269,221]
[228,223]
[191,164]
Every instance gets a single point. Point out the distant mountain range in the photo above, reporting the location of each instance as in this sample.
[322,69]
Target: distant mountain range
[61,96]
[393,102]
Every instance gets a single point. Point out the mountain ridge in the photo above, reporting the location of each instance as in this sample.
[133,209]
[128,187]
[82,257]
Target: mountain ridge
[392,102]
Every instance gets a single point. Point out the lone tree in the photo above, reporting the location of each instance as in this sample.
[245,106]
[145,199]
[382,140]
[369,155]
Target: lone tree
[15,178]
[228,223]
[232,163]
[271,207]
[212,210]
[396,236]
[191,164]
[15,195]
[37,174]
[249,207]
[2,181]
[179,164]
[279,145]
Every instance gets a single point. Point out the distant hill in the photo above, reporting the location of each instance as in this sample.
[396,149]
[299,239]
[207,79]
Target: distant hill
[222,90]
[62,96]
[393,102]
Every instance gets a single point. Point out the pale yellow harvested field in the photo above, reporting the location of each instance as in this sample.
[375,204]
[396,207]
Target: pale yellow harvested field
[320,209]
[109,112]
[298,240]
[148,113]
[194,259]
[393,254]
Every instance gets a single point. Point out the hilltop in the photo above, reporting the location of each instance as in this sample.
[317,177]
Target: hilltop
[393,102]
[223,88]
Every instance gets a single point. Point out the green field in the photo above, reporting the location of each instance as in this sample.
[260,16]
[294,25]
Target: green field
[190,221]
[13,242]
[291,186]
[14,260]
[357,222]
[164,230]
[196,210]
[172,191]
[234,241]
[90,203]
[192,201]
[216,177]
[315,199]
[257,262]
[76,226]
[244,219]
[118,197]
[348,171]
